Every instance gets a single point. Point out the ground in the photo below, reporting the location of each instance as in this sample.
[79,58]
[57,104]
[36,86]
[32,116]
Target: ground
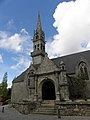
[12,114]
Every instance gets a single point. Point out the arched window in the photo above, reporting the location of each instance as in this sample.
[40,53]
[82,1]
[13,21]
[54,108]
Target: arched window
[83,70]
[62,67]
[41,46]
[38,46]
[35,47]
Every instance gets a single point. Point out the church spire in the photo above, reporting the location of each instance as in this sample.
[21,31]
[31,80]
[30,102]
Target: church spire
[39,27]
[38,43]
[38,33]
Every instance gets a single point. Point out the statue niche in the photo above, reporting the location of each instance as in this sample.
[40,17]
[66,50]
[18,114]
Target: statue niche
[31,80]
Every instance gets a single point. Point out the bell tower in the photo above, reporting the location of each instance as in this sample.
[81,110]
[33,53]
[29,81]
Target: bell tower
[38,44]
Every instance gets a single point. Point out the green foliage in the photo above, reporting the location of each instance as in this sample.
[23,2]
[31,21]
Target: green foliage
[5,93]
[4,89]
[5,78]
[3,86]
[77,87]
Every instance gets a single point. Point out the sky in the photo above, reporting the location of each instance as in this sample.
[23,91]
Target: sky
[66,24]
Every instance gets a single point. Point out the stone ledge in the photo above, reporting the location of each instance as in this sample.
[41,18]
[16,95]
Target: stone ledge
[75,108]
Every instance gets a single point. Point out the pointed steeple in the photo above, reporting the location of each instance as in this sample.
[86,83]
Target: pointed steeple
[38,33]
[39,27]
[38,43]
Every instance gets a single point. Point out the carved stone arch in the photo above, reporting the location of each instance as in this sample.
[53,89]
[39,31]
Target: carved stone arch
[47,89]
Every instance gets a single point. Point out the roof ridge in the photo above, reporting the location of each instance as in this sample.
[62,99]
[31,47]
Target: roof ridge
[71,54]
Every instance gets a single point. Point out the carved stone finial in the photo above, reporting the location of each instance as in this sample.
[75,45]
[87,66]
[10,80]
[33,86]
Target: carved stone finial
[62,65]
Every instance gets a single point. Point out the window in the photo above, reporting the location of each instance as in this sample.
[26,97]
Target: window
[41,46]
[35,47]
[37,35]
[83,70]
[62,67]
[38,46]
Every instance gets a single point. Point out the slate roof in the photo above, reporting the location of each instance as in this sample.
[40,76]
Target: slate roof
[72,60]
[20,78]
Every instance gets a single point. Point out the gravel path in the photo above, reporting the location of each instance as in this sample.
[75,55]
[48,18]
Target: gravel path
[12,114]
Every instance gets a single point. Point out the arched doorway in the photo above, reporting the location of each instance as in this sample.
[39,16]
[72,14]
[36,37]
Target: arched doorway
[48,91]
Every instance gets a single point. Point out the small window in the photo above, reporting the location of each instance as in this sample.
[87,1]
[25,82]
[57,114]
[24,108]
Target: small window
[35,47]
[37,36]
[62,67]
[38,46]
[31,72]
[41,46]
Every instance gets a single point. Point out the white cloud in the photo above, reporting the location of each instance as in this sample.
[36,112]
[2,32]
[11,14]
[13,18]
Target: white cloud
[72,21]
[1,59]
[24,31]
[15,42]
[11,25]
[22,62]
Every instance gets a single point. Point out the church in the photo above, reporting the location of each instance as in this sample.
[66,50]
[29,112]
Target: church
[46,81]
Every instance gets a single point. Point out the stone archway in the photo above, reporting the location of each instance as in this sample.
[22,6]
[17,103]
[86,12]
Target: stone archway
[48,91]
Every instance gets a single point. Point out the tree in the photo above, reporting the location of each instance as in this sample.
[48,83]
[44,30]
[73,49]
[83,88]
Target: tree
[3,86]
[5,78]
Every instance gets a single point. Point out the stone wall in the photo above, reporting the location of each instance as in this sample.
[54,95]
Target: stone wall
[19,92]
[74,108]
[47,66]
[64,108]
[25,107]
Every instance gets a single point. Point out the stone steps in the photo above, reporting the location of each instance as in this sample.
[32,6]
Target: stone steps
[47,111]
[46,107]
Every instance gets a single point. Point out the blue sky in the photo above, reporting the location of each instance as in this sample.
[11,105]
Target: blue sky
[18,19]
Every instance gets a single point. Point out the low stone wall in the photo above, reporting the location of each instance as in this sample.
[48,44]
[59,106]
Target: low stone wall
[80,108]
[25,107]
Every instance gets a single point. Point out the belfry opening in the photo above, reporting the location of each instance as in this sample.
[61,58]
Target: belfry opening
[48,91]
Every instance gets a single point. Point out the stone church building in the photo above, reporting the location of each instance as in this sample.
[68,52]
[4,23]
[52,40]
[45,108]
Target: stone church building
[47,80]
